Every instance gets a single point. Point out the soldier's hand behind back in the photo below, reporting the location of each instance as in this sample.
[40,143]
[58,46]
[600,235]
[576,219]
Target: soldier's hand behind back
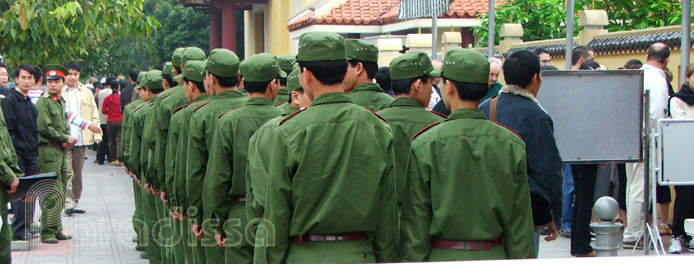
[13,186]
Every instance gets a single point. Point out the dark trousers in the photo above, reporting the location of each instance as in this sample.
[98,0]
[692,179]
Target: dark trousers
[24,211]
[684,208]
[102,148]
[114,129]
[584,187]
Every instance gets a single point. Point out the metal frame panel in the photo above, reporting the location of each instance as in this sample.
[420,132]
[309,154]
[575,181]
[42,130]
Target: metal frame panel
[673,152]
[598,115]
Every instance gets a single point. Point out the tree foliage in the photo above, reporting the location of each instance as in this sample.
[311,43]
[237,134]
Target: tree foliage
[44,32]
[544,19]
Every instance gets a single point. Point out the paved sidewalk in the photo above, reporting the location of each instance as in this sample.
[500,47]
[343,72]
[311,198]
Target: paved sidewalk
[104,234]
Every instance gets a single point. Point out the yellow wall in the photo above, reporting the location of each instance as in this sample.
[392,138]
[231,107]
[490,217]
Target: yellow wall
[616,61]
[276,35]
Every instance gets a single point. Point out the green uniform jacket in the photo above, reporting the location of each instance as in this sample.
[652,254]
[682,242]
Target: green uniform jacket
[8,161]
[135,134]
[331,172]
[258,160]
[126,126]
[226,168]
[406,117]
[372,96]
[177,157]
[467,181]
[170,100]
[52,121]
[146,153]
[282,96]
[200,135]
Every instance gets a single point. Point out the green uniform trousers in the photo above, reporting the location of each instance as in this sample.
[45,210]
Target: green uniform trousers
[188,240]
[213,252]
[138,221]
[152,247]
[52,159]
[5,236]
[178,248]
[360,251]
[198,248]
[159,229]
[237,249]
[437,254]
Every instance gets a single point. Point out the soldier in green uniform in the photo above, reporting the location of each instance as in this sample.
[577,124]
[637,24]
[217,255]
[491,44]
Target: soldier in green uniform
[220,74]
[54,136]
[173,100]
[259,156]
[156,136]
[226,169]
[363,66]
[9,174]
[285,62]
[138,219]
[331,190]
[411,80]
[152,88]
[466,196]
[194,89]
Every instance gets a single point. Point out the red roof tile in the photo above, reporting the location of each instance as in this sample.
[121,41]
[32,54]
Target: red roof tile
[379,12]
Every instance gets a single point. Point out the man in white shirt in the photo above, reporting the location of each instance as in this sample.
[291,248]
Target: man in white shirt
[80,101]
[653,81]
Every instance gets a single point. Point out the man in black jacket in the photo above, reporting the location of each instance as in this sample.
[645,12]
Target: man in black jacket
[20,117]
[126,93]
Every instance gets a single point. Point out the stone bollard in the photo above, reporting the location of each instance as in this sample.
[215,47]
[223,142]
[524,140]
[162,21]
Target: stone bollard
[607,238]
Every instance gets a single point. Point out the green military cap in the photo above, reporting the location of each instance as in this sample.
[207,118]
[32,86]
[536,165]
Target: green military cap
[192,53]
[262,68]
[54,72]
[465,65]
[153,80]
[194,70]
[168,68]
[357,49]
[242,66]
[223,63]
[140,80]
[286,62]
[177,55]
[293,83]
[321,46]
[410,65]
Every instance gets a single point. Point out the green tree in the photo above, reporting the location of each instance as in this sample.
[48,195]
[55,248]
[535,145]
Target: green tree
[43,32]
[544,19]
[541,19]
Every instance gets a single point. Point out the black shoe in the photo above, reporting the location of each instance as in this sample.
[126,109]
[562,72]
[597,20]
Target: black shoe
[69,211]
[25,238]
[78,211]
[140,248]
[143,255]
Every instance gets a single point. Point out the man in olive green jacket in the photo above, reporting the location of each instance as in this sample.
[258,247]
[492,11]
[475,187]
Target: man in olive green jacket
[363,66]
[220,72]
[259,158]
[54,136]
[412,84]
[226,169]
[331,190]
[137,218]
[9,174]
[194,88]
[466,196]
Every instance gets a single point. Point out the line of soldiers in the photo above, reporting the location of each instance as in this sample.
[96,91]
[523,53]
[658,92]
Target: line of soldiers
[275,160]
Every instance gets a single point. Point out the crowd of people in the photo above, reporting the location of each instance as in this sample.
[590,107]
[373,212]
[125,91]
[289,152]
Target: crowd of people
[325,157]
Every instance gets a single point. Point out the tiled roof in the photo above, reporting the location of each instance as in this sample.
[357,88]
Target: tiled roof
[380,12]
[635,43]
[555,50]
